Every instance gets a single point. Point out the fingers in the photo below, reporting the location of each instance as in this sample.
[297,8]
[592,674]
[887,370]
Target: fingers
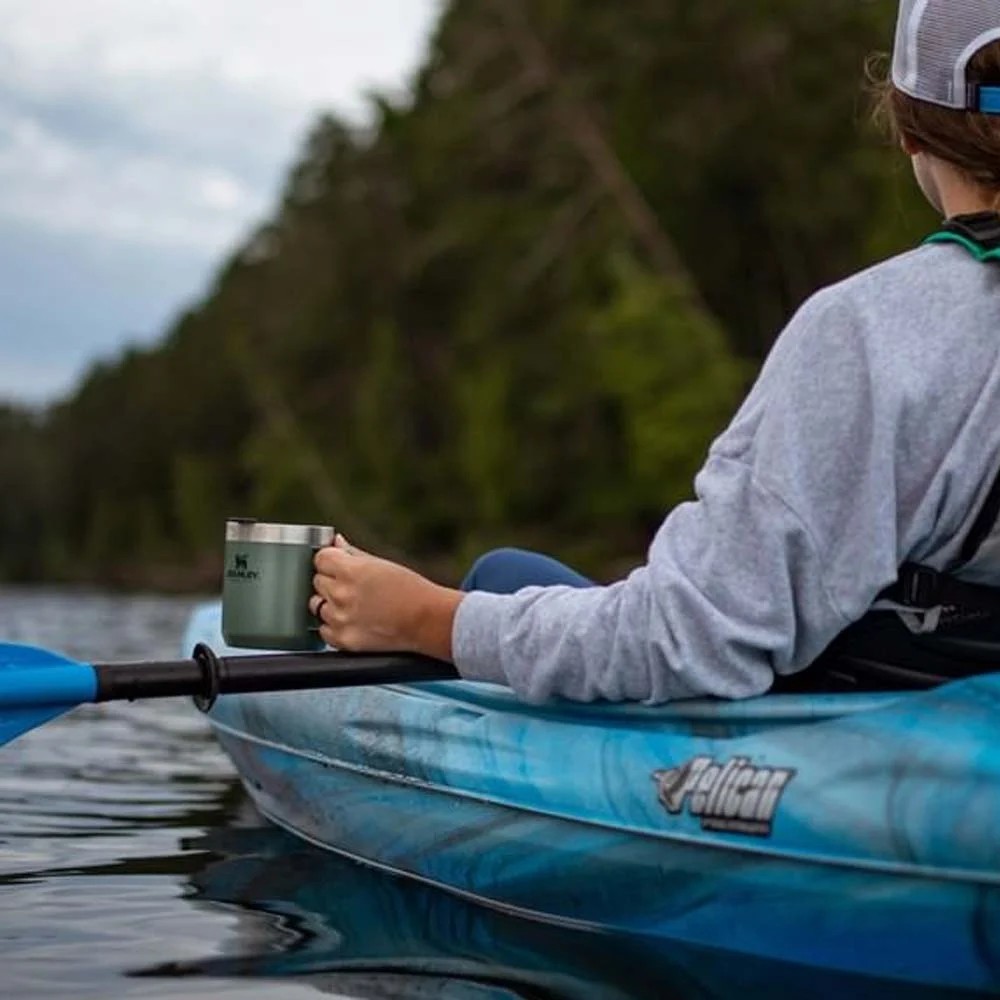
[328,596]
[339,638]
[333,559]
[344,545]
[333,569]
[342,637]
[316,603]
[329,593]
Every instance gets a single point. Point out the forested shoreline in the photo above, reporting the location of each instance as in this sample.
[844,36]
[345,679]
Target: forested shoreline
[513,310]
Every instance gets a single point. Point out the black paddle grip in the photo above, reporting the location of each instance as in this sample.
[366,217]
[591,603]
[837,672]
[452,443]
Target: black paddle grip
[205,675]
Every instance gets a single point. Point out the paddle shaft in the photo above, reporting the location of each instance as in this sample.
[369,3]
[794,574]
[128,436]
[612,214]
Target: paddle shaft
[206,675]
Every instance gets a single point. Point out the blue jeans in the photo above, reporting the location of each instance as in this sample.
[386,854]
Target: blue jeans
[504,571]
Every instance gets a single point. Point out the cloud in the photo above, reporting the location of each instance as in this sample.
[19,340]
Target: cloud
[147,198]
[306,51]
[169,123]
[139,141]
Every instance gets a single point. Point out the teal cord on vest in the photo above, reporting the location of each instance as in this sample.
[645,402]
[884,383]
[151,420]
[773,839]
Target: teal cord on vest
[979,252]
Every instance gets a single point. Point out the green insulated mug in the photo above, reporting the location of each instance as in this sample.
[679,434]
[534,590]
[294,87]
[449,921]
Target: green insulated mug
[268,583]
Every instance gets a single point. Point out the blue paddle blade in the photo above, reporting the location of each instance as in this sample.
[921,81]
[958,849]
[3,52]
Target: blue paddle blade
[15,722]
[36,686]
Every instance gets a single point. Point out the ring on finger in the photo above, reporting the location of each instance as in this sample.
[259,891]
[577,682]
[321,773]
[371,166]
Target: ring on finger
[318,610]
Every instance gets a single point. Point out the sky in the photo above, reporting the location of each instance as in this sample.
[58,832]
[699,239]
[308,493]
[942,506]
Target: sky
[141,140]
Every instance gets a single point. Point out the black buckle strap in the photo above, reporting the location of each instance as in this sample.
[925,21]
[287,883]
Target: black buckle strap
[922,588]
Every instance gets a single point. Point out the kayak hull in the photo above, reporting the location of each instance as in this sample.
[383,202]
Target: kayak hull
[848,835]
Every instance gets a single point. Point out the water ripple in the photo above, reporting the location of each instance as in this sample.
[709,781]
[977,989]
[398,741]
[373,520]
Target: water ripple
[97,810]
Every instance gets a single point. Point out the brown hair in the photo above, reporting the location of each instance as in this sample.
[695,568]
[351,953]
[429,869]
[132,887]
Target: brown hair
[968,139]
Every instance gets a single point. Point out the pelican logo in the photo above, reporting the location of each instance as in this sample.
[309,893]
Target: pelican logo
[240,569]
[735,797]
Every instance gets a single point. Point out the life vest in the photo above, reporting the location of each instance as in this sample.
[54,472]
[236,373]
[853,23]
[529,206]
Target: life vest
[930,626]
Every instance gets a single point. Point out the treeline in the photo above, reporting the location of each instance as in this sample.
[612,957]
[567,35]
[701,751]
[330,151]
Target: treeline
[514,310]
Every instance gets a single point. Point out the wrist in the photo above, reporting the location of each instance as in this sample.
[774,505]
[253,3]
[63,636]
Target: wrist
[435,622]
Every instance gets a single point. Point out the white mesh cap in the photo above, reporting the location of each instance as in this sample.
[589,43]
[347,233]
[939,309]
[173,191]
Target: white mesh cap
[935,40]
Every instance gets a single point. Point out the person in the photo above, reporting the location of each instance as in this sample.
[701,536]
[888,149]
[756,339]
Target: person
[869,443]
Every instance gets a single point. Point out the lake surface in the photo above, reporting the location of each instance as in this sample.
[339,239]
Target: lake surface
[102,814]
[132,864]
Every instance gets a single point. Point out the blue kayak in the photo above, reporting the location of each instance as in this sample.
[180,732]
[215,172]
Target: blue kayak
[846,835]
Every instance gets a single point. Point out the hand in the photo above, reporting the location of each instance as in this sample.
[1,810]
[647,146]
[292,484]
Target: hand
[370,605]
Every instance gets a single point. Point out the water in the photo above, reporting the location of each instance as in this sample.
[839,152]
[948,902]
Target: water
[101,817]
[132,864]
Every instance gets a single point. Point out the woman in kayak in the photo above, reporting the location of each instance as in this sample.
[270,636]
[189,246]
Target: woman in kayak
[870,442]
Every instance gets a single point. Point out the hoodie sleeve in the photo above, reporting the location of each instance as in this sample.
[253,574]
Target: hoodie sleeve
[791,534]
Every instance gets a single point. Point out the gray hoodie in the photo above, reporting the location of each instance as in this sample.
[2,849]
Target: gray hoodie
[870,438]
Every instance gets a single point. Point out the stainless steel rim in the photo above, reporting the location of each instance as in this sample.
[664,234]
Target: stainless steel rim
[315,535]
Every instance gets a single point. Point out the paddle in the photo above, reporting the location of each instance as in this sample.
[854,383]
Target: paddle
[37,685]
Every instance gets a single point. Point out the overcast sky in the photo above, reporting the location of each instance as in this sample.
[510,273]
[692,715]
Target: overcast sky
[140,140]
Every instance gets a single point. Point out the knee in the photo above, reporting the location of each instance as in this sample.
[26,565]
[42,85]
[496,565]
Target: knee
[491,570]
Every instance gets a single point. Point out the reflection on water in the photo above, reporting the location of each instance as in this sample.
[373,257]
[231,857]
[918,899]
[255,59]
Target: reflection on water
[342,925]
[349,930]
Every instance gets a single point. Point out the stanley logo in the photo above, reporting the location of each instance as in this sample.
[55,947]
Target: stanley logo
[240,570]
